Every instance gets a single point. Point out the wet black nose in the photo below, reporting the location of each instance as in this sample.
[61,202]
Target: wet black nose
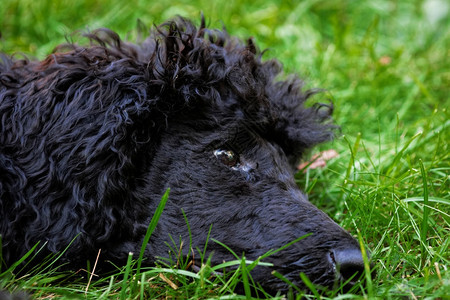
[349,264]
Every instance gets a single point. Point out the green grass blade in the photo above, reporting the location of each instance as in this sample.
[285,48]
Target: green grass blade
[367,271]
[141,290]
[226,247]
[188,228]
[128,267]
[108,290]
[21,260]
[287,281]
[353,151]
[310,285]
[399,155]
[271,252]
[245,282]
[426,212]
[151,228]
[237,262]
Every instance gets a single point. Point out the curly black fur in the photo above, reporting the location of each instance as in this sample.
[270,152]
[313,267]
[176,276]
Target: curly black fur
[92,136]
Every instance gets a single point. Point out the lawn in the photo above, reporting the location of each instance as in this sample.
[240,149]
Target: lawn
[386,67]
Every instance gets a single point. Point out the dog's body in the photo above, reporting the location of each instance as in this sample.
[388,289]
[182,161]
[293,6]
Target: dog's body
[91,138]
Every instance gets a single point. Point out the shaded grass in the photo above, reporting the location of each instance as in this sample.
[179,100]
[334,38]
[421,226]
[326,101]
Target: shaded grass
[385,66]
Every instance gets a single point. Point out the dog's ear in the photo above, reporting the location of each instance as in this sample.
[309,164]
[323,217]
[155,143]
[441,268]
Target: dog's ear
[97,113]
[299,125]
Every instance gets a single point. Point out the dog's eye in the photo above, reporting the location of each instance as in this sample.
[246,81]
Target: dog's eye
[227,157]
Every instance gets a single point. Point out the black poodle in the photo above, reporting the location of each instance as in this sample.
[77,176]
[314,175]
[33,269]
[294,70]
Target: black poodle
[92,137]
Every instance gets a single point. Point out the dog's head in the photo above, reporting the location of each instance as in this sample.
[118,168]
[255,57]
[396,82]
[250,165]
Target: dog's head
[99,133]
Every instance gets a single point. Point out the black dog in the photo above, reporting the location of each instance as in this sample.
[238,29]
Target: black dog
[91,138]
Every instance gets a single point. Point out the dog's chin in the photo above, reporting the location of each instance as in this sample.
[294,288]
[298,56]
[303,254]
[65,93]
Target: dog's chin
[269,280]
[276,281]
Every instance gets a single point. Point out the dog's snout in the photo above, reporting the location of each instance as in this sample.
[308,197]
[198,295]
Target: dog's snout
[349,263]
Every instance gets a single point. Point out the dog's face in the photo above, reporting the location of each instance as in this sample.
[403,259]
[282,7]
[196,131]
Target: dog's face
[234,177]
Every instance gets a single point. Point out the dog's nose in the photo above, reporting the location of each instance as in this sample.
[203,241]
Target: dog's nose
[349,264]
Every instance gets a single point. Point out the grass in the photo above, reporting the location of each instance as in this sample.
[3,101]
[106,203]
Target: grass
[385,64]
